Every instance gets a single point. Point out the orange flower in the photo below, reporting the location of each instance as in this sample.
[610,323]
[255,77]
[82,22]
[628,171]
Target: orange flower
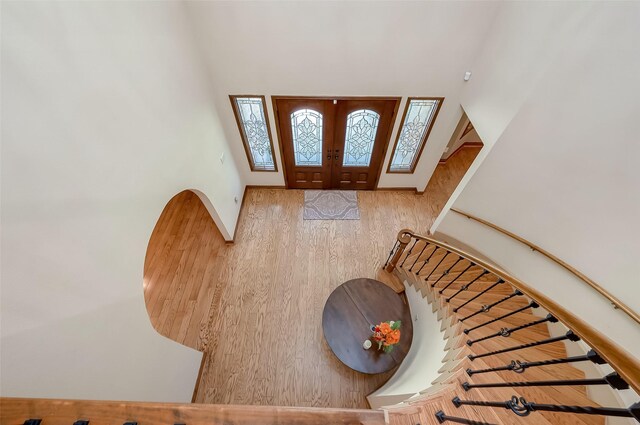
[393,337]
[385,328]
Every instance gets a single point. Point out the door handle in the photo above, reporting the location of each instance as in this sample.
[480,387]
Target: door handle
[336,157]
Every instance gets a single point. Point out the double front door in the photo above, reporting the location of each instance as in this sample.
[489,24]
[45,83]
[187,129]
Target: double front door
[334,143]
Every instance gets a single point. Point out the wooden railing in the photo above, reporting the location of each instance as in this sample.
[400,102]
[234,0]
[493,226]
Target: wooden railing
[617,304]
[20,411]
[441,268]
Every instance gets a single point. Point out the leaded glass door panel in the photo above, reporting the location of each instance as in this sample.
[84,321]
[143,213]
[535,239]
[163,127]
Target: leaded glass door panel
[306,136]
[363,128]
[334,143]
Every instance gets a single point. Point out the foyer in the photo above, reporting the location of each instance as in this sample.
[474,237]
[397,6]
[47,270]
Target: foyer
[254,307]
[156,267]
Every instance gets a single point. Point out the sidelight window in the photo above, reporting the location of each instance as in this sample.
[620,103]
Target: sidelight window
[417,122]
[253,124]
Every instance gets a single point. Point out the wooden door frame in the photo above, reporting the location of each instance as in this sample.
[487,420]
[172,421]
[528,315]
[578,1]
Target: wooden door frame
[387,138]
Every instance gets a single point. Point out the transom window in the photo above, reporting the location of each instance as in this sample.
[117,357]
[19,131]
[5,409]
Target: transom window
[362,126]
[419,115]
[306,129]
[253,124]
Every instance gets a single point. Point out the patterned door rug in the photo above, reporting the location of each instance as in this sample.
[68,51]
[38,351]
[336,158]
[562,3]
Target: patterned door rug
[331,205]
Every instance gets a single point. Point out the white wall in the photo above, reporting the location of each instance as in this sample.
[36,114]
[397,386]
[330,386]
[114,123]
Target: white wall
[512,59]
[556,89]
[457,139]
[106,114]
[342,49]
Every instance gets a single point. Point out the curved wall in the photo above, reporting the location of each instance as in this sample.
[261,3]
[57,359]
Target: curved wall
[421,365]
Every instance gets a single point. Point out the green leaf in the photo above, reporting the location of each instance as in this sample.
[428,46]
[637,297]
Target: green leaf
[396,324]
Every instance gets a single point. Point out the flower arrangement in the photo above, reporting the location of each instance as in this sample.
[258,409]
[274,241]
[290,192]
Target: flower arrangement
[387,335]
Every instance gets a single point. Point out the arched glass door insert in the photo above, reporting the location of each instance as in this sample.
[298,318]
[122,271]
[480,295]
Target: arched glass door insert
[306,131]
[360,136]
[333,143]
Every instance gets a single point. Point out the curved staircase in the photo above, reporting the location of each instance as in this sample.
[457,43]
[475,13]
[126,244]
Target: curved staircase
[507,359]
[512,356]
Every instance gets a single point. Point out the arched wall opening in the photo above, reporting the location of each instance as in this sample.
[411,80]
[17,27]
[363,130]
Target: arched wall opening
[180,274]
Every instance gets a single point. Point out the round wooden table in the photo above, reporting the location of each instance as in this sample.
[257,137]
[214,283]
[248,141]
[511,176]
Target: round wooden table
[348,314]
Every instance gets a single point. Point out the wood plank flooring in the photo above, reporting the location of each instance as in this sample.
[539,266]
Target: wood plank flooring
[181,270]
[255,307]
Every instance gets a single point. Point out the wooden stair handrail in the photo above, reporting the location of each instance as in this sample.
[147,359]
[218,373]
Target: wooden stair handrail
[52,411]
[617,304]
[627,366]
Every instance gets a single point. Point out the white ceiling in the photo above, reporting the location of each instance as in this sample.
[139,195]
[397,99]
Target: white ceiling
[341,48]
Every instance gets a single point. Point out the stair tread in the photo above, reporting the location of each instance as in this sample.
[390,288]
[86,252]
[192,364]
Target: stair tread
[455,362]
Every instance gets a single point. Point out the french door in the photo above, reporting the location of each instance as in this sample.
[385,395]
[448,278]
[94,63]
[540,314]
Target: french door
[334,143]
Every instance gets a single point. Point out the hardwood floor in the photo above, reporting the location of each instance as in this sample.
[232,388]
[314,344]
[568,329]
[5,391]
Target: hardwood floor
[181,270]
[255,307]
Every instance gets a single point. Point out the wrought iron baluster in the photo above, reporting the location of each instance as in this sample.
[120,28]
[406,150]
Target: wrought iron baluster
[486,308]
[458,402]
[522,407]
[415,241]
[442,418]
[613,379]
[393,250]
[465,287]
[428,258]
[532,304]
[499,282]
[632,412]
[568,336]
[418,257]
[506,332]
[403,239]
[446,254]
[446,272]
[519,367]
[471,264]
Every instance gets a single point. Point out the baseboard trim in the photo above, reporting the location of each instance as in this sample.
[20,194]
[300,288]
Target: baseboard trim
[251,186]
[235,231]
[399,189]
[257,186]
[464,145]
[244,197]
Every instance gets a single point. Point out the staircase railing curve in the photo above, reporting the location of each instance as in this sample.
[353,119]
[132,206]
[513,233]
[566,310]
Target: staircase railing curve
[615,302]
[479,298]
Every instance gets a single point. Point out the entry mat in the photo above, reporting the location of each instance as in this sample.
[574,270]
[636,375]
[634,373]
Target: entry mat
[331,205]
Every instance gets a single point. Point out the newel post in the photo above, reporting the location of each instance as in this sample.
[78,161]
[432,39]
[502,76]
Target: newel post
[404,237]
